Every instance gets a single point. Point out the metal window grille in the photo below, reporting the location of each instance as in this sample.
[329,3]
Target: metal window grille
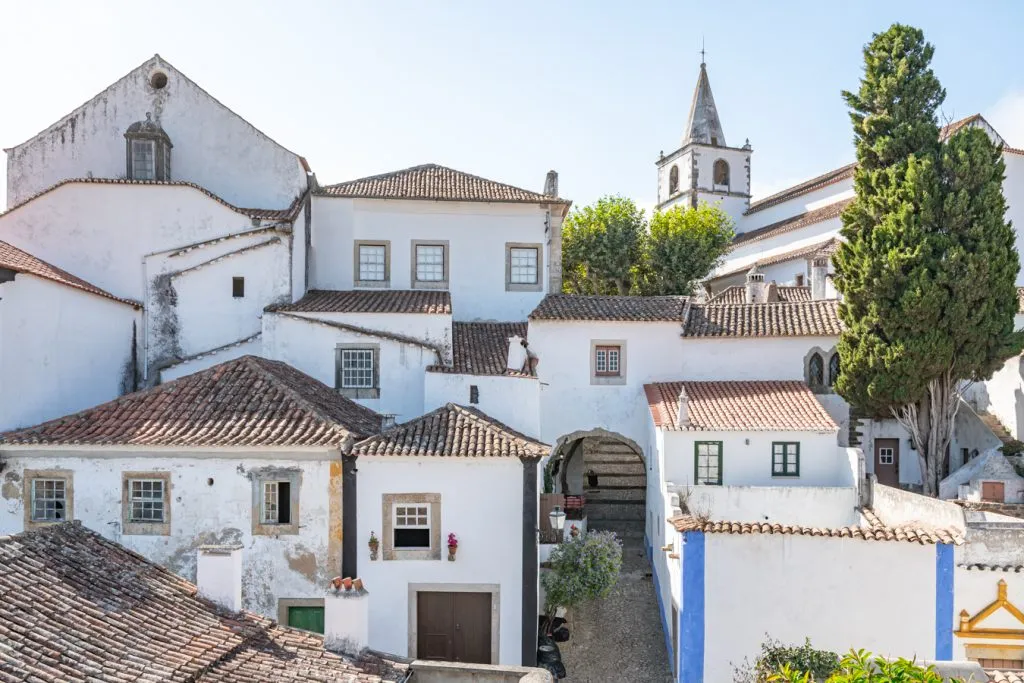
[49,500]
[430,263]
[357,369]
[606,360]
[146,500]
[785,459]
[523,265]
[709,463]
[143,160]
[372,262]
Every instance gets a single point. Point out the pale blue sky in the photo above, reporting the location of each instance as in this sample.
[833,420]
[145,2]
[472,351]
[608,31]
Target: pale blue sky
[509,90]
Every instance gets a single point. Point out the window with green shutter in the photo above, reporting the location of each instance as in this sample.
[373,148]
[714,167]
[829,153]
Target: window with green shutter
[707,462]
[307,618]
[785,459]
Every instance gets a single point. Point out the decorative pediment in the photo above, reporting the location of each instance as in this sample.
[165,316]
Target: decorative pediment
[969,626]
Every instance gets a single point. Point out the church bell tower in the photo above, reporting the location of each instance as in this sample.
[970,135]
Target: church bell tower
[705,168]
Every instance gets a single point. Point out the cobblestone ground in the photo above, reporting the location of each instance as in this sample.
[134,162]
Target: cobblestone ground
[619,638]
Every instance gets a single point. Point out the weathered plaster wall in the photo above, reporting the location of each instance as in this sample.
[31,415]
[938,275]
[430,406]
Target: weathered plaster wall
[815,506]
[252,347]
[512,400]
[967,482]
[768,358]
[287,566]
[475,495]
[310,347]
[896,507]
[476,233]
[61,350]
[213,146]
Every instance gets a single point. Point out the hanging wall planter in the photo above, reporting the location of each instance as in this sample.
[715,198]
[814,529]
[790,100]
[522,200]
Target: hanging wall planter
[453,546]
[374,546]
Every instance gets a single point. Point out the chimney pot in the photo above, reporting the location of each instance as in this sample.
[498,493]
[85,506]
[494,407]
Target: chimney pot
[551,184]
[387,421]
[346,616]
[756,290]
[219,575]
[516,353]
[683,418]
[819,273]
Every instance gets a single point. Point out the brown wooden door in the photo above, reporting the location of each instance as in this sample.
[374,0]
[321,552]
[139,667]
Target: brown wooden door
[887,461]
[993,491]
[454,627]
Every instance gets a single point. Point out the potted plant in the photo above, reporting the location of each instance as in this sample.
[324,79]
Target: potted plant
[574,531]
[374,546]
[591,478]
[453,545]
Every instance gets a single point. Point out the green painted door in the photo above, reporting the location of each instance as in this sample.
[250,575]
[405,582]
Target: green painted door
[307,618]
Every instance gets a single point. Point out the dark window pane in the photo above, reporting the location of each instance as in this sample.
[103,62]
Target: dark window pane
[238,287]
[284,502]
[816,370]
[412,538]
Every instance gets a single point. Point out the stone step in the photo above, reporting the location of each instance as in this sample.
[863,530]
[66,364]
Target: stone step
[615,510]
[602,494]
[616,481]
[631,530]
[609,456]
[611,468]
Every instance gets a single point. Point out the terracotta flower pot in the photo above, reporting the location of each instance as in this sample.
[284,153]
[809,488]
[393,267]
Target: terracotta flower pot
[451,553]
[347,583]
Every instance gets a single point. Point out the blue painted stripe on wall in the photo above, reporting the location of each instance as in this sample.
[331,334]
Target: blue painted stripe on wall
[691,620]
[661,603]
[944,601]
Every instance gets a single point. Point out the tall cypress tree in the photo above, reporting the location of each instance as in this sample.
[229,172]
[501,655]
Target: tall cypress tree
[928,267]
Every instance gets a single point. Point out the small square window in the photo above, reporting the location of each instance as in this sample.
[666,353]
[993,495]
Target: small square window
[606,361]
[372,262]
[146,503]
[238,287]
[275,501]
[785,459]
[49,500]
[886,456]
[430,263]
[523,266]
[412,526]
[277,497]
[146,500]
[357,368]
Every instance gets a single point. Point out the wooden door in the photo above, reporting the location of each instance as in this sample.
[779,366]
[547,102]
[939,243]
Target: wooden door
[454,627]
[306,618]
[993,491]
[887,461]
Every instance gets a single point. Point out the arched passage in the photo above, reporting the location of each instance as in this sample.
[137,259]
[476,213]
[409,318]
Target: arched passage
[609,472]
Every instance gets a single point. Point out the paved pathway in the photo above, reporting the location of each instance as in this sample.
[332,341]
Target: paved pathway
[619,639]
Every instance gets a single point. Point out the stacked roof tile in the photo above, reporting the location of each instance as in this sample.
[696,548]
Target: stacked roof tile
[12,258]
[372,301]
[436,183]
[792,223]
[822,249]
[910,534]
[248,401]
[739,406]
[78,607]
[997,676]
[612,308]
[453,431]
[783,319]
[737,294]
[482,349]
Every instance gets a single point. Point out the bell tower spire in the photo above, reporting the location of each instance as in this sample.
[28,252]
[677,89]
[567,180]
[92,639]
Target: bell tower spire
[703,125]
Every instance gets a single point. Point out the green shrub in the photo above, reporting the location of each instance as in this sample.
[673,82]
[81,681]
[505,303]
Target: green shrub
[859,667]
[794,659]
[1012,447]
[583,568]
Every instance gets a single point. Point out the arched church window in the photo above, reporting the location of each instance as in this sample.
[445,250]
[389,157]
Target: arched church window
[148,152]
[816,370]
[833,369]
[673,180]
[721,172]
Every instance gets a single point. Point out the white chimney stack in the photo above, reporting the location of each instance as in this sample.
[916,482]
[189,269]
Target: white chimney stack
[819,273]
[219,575]
[684,409]
[346,616]
[755,293]
[516,353]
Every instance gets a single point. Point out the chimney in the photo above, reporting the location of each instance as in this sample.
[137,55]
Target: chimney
[387,421]
[516,353]
[219,575]
[551,184]
[683,417]
[755,286]
[819,272]
[346,616]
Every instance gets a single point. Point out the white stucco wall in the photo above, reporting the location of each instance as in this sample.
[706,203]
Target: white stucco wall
[61,350]
[1003,394]
[310,347]
[797,205]
[476,233]
[288,566]
[482,503]
[1013,190]
[213,146]
[896,507]
[749,358]
[790,588]
[512,400]
[253,347]
[815,506]
[745,254]
[747,458]
[910,467]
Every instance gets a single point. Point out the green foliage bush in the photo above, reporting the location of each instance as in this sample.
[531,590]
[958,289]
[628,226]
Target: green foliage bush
[860,667]
[582,569]
[796,659]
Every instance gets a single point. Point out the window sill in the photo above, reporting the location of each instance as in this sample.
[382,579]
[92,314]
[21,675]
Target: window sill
[357,393]
[372,284]
[522,287]
[431,554]
[607,380]
[785,476]
[275,529]
[418,284]
[146,529]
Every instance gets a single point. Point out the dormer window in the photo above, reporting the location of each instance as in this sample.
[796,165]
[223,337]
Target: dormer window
[148,151]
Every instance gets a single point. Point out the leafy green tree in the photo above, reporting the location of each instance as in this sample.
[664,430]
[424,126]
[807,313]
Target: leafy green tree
[583,568]
[928,267]
[602,247]
[684,245]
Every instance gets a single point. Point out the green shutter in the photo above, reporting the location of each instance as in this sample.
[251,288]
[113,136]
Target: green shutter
[307,618]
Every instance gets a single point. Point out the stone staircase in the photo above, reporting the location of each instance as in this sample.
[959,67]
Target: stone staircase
[618,502]
[995,426]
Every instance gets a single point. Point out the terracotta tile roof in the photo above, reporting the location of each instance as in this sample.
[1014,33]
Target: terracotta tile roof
[287,214]
[482,349]
[737,294]
[739,406]
[435,183]
[431,301]
[824,180]
[784,319]
[792,223]
[617,308]
[1013,150]
[248,401]
[78,607]
[866,533]
[453,431]
[824,248]
[996,676]
[20,261]
[949,129]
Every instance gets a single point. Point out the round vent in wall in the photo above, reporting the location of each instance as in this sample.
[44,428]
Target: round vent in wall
[158,80]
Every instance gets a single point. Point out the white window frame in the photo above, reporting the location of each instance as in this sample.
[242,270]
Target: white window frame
[390,502]
[882,456]
[42,482]
[600,374]
[358,375]
[138,500]
[274,475]
[357,391]
[357,264]
[151,166]
[139,526]
[29,477]
[512,284]
[265,503]
[420,511]
[417,283]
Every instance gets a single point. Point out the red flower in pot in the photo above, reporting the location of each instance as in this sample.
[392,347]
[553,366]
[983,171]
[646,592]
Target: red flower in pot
[453,545]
